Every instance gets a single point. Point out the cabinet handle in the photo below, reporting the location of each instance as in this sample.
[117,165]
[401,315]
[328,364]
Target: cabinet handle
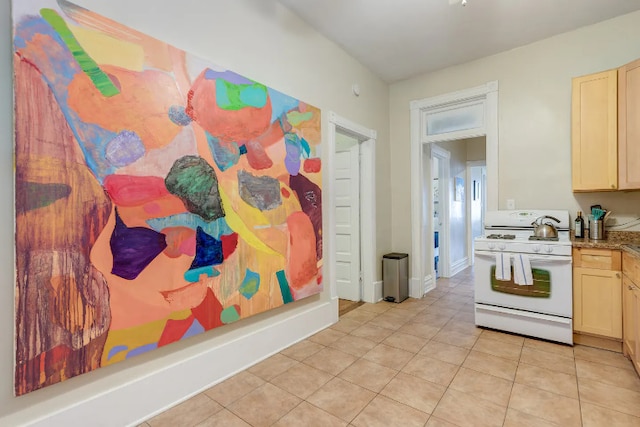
[617,275]
[613,186]
[630,287]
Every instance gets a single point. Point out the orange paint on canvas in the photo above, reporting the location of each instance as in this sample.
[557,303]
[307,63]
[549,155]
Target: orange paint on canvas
[141,106]
[301,266]
[137,215]
[180,241]
[226,125]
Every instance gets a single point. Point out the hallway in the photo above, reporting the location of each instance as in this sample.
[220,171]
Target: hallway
[421,362]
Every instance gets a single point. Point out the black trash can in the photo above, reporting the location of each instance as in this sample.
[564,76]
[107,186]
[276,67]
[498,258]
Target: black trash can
[395,277]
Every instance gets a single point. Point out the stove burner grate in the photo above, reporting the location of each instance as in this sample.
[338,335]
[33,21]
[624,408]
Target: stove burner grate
[502,236]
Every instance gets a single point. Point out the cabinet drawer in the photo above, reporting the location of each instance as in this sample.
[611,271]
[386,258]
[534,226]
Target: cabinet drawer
[631,267]
[603,259]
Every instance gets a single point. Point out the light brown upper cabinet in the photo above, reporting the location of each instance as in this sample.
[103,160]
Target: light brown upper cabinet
[594,132]
[629,126]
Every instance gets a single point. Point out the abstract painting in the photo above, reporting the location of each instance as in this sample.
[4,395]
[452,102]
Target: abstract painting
[158,196]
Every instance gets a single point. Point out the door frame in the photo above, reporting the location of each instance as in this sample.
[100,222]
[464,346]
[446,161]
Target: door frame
[371,290]
[422,271]
[445,199]
[469,197]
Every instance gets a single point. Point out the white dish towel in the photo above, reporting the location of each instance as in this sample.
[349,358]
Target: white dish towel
[503,266]
[522,274]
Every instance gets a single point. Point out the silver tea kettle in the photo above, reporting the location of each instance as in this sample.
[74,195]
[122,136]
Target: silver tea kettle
[546,229]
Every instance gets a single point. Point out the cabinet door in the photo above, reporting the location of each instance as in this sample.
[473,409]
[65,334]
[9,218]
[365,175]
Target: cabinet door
[594,132]
[597,302]
[629,126]
[630,317]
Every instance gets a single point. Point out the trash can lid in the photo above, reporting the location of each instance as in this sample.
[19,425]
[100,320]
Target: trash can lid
[395,255]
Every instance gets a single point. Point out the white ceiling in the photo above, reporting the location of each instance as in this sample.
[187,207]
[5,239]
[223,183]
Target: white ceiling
[398,39]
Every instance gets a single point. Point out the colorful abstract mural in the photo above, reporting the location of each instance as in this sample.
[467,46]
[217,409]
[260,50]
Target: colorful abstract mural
[157,196]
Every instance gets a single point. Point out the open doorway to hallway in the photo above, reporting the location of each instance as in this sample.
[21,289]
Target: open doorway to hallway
[462,200]
[452,116]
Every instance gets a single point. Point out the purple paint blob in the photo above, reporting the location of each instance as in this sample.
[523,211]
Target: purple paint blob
[134,248]
[178,115]
[229,76]
[292,159]
[195,329]
[310,197]
[124,149]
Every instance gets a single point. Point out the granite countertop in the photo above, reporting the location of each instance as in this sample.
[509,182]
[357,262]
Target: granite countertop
[623,240]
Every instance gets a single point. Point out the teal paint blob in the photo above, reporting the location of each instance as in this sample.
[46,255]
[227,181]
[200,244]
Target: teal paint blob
[284,287]
[193,275]
[250,284]
[229,315]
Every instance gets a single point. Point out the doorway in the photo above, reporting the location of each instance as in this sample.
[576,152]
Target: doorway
[454,116]
[351,236]
[476,201]
[440,166]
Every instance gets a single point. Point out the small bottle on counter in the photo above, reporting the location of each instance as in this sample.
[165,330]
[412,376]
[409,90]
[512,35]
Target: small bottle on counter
[579,226]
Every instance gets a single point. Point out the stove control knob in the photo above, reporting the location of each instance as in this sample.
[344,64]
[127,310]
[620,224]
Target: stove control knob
[502,246]
[492,246]
[548,249]
[536,248]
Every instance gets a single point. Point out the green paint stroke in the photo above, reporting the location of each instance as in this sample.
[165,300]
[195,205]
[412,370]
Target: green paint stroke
[296,117]
[230,315]
[99,78]
[36,195]
[284,287]
[233,97]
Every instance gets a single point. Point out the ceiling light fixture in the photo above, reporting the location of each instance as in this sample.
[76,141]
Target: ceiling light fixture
[462,2]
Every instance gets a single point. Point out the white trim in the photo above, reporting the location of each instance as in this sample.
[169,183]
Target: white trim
[429,284]
[186,378]
[459,265]
[469,199]
[445,209]
[417,290]
[367,138]
[488,92]
[377,291]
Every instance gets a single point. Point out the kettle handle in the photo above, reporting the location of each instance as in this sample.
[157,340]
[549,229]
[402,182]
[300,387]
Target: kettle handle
[543,217]
[552,217]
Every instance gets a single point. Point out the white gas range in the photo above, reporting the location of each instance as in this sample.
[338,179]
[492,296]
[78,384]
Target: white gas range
[522,285]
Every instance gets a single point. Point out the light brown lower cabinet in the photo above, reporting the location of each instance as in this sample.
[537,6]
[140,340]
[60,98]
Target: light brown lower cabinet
[597,302]
[597,298]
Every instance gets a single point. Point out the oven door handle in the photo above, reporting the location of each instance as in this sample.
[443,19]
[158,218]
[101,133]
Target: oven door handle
[522,313]
[548,259]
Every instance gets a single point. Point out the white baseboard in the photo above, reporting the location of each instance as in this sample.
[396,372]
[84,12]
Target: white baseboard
[183,380]
[459,265]
[417,289]
[377,291]
[372,293]
[429,284]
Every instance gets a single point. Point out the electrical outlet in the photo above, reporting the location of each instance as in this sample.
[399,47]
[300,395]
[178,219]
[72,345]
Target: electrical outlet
[511,204]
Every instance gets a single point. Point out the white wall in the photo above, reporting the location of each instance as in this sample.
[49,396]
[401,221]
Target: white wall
[534,118]
[261,40]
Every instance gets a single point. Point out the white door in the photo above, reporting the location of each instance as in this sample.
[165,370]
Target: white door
[347,198]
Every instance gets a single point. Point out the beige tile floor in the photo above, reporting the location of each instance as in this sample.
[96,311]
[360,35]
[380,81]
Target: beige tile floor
[421,363]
